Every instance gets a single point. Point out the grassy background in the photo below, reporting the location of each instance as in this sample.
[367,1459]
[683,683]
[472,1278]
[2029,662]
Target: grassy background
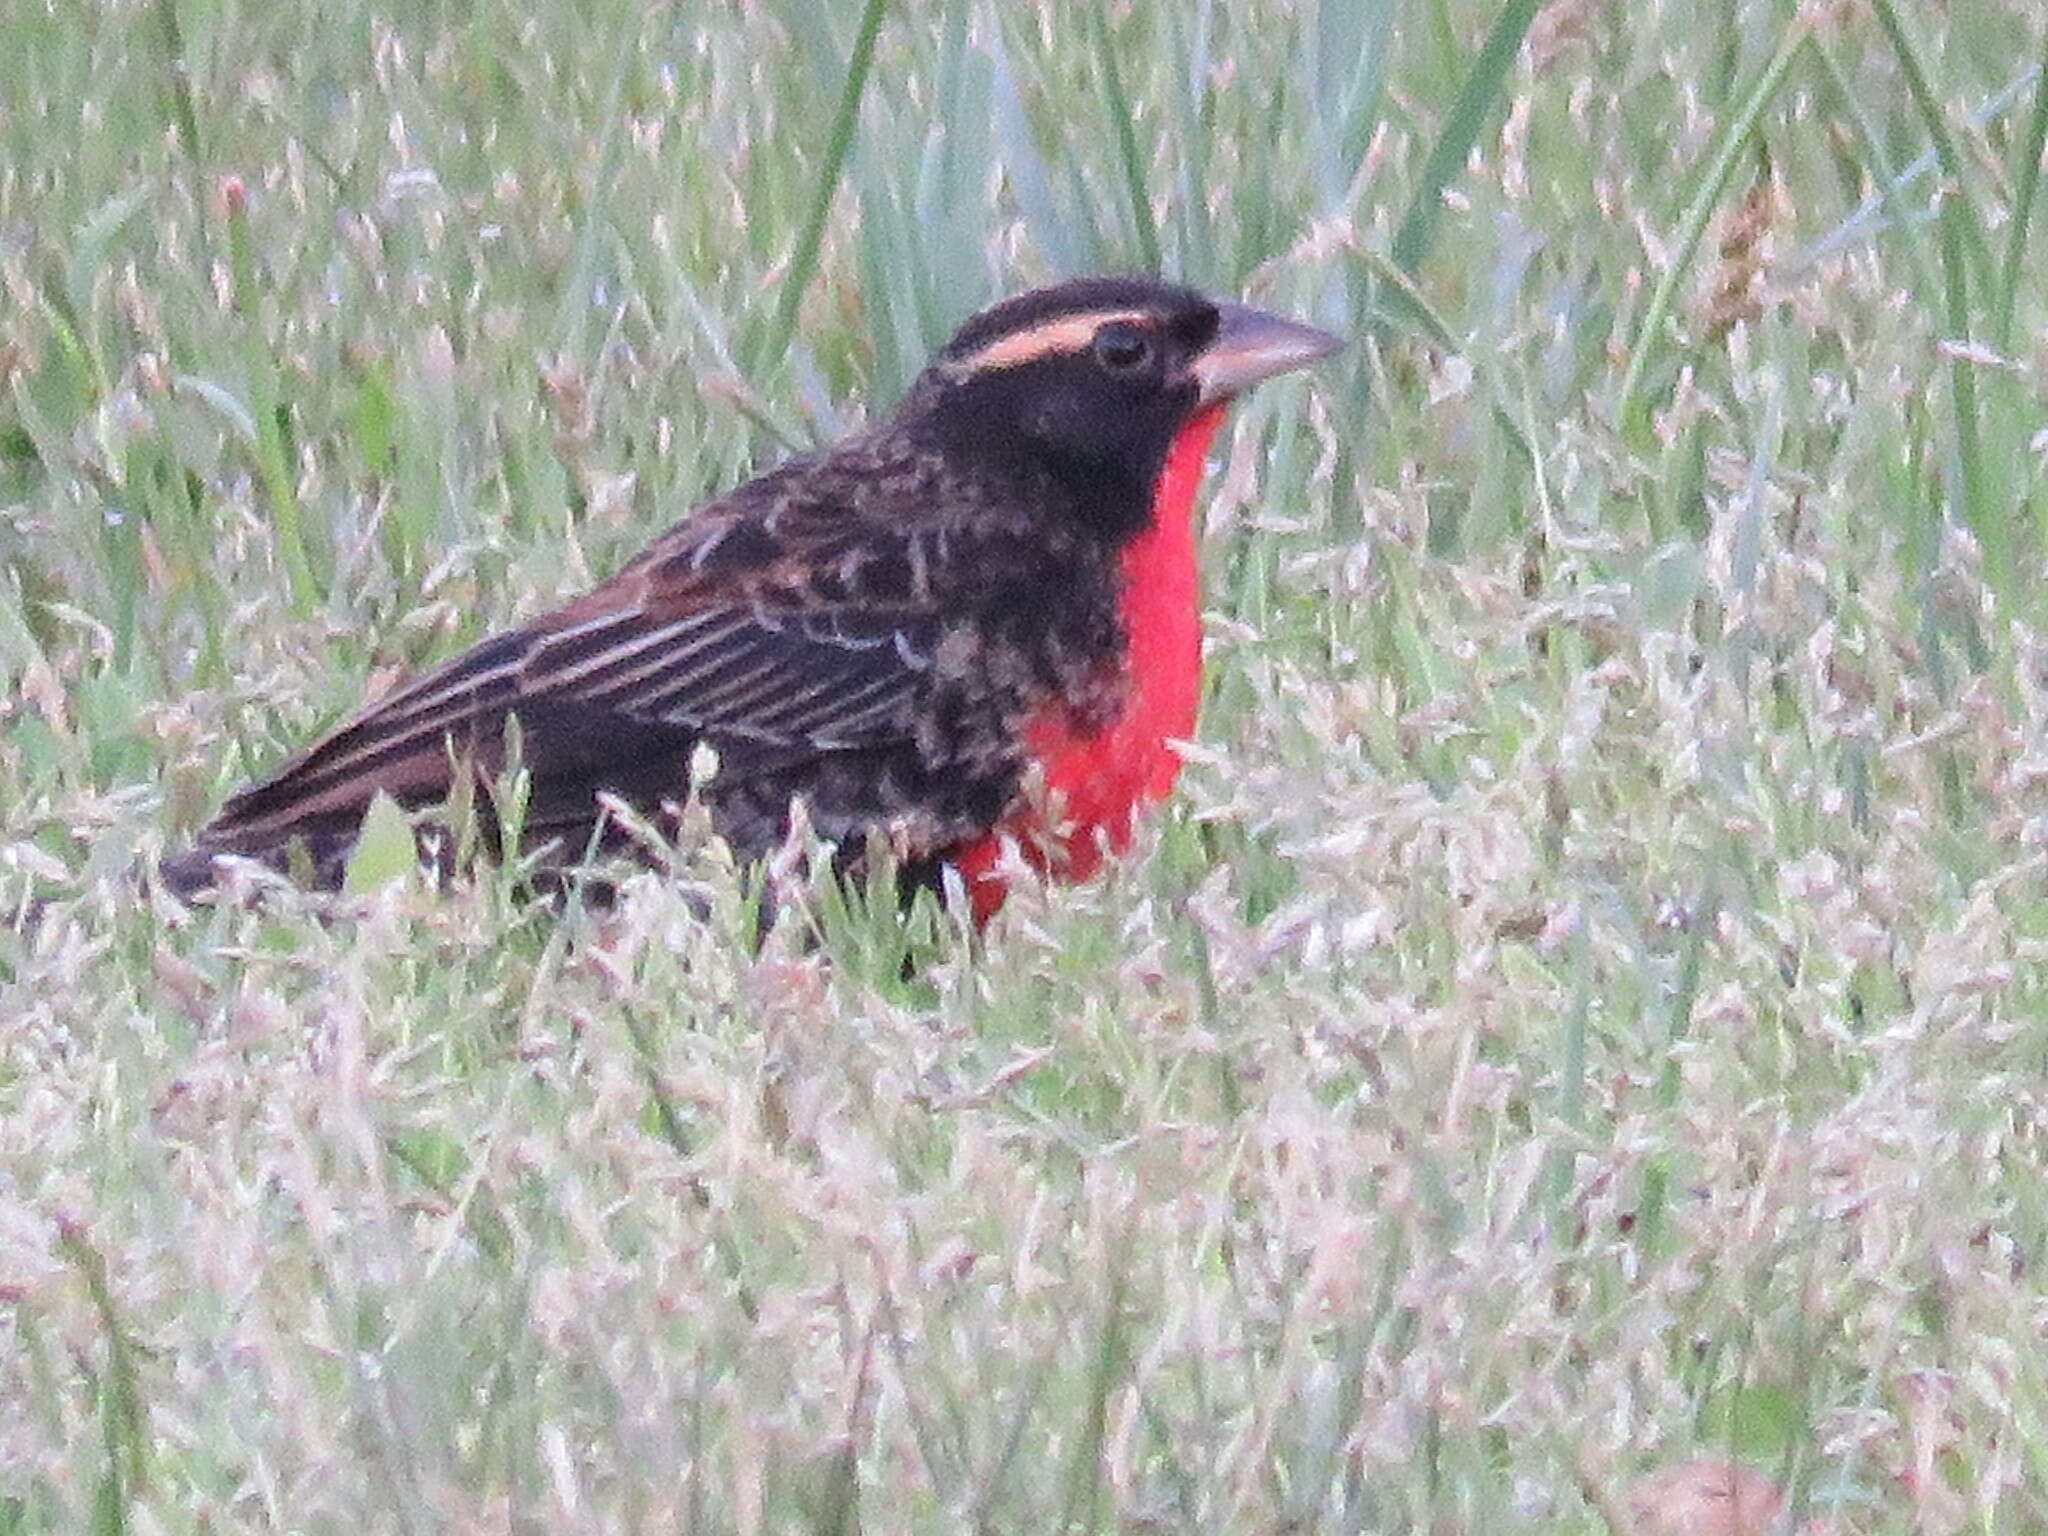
[1588,1008]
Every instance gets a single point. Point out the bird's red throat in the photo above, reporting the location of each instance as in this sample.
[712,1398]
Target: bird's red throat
[1094,783]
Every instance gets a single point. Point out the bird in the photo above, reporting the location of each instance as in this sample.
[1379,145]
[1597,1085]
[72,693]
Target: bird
[973,625]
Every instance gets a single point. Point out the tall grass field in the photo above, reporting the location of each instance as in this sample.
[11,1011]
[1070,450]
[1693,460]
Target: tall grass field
[1580,1026]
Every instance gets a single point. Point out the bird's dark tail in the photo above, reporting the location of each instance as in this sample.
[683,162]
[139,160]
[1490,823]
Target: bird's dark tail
[317,854]
[187,874]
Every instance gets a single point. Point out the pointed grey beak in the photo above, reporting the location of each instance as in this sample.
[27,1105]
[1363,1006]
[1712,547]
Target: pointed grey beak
[1252,345]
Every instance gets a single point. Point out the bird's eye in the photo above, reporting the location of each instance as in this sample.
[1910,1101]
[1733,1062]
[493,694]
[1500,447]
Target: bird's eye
[1122,348]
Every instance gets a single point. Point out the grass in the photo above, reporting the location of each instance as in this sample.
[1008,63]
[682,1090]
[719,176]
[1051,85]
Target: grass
[1586,1011]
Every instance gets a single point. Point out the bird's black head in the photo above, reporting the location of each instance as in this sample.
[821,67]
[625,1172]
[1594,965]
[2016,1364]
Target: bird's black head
[1083,386]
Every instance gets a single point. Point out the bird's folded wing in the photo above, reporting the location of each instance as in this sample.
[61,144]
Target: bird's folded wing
[595,690]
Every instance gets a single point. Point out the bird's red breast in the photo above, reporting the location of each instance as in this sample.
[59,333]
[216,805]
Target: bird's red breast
[1096,781]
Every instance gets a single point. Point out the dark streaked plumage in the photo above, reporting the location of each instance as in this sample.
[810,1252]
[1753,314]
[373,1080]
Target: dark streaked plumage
[870,627]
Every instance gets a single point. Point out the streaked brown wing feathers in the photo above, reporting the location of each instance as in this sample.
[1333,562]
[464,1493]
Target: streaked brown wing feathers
[743,665]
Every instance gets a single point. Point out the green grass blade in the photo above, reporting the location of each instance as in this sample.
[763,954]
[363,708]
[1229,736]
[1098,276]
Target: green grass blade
[1990,524]
[803,259]
[1879,168]
[1962,249]
[268,410]
[2032,146]
[1069,245]
[1108,1366]
[1144,229]
[1478,98]
[184,111]
[1886,198]
[1936,122]
[574,319]
[1713,185]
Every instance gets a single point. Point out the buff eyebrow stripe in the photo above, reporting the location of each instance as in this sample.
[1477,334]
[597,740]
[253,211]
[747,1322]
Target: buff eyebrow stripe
[1068,333]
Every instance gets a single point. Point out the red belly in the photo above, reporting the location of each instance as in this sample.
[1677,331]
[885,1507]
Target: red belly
[1097,781]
